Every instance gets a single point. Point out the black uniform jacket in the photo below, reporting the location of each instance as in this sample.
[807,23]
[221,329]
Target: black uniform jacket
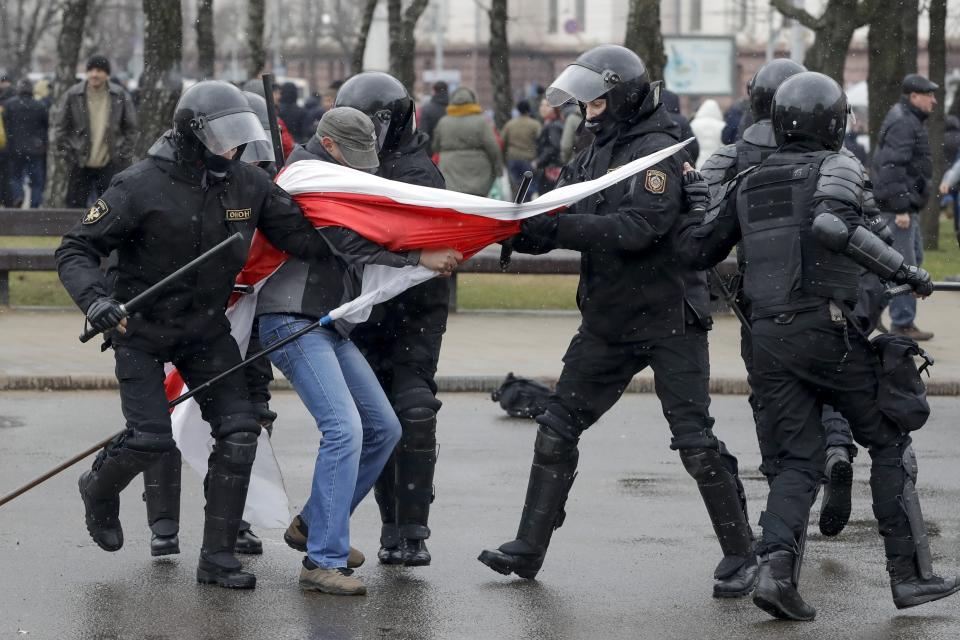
[632,286]
[158,215]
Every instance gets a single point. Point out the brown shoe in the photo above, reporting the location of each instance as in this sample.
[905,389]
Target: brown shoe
[338,582]
[296,538]
[911,331]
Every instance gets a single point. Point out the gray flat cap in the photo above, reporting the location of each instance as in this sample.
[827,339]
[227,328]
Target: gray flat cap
[354,134]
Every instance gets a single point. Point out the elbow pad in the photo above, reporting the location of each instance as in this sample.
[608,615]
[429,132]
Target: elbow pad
[872,253]
[831,232]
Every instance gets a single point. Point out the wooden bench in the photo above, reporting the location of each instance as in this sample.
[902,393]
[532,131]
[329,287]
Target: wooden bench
[31,222]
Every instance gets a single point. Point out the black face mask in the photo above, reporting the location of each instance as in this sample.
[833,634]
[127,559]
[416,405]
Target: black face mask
[603,127]
[219,164]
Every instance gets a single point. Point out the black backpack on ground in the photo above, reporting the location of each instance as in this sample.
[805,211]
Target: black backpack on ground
[522,397]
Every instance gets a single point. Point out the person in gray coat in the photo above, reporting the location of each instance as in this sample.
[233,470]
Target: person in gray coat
[469,152]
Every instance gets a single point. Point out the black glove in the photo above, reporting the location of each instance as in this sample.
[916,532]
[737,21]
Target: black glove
[541,226]
[918,279]
[265,416]
[697,193]
[104,314]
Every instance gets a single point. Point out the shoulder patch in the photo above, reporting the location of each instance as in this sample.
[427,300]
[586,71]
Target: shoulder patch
[655,181]
[97,211]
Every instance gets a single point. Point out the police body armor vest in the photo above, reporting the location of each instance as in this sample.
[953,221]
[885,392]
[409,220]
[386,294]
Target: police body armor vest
[787,269]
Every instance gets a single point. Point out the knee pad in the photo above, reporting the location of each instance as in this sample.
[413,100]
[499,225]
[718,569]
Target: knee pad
[558,425]
[702,464]
[236,451]
[413,398]
[419,428]
[154,437]
[695,439]
[550,448]
[241,422]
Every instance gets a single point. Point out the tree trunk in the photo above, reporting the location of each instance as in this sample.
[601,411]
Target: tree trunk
[206,45]
[29,25]
[888,58]
[644,37]
[500,63]
[161,81]
[356,61]
[256,12]
[937,48]
[403,44]
[68,53]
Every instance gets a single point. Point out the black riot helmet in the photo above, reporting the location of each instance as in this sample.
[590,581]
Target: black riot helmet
[766,82]
[211,118]
[385,101]
[810,106]
[608,71]
[258,150]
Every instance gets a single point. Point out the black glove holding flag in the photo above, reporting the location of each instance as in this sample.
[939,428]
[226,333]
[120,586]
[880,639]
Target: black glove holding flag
[696,191]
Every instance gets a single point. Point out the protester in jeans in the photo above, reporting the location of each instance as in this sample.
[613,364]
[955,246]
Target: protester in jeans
[25,121]
[901,174]
[520,144]
[331,376]
[96,131]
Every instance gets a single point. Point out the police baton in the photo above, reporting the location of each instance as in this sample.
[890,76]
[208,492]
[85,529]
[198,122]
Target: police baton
[937,286]
[135,303]
[506,247]
[272,117]
[730,298]
[173,403]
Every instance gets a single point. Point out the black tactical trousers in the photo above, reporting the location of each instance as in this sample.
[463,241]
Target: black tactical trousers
[836,427]
[225,405]
[596,373]
[799,366]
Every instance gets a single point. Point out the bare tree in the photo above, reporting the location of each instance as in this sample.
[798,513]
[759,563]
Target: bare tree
[360,48]
[161,81]
[892,45]
[500,63]
[937,48]
[833,28]
[644,37]
[68,53]
[22,24]
[206,45]
[256,12]
[403,44]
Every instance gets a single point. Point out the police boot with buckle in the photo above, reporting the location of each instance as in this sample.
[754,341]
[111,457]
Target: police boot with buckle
[776,591]
[248,543]
[416,461]
[835,508]
[161,493]
[910,589]
[100,490]
[414,553]
[551,476]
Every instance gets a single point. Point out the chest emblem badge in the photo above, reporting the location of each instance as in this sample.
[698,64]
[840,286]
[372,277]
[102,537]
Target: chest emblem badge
[97,211]
[234,215]
[655,182]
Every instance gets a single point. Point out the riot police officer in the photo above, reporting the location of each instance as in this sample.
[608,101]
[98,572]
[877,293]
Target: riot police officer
[723,166]
[401,340]
[799,219]
[190,193]
[640,308]
[161,482]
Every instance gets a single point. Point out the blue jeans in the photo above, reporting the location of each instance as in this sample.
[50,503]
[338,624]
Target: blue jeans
[903,309]
[34,168]
[359,427]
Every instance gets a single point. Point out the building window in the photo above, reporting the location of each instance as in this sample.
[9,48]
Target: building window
[696,14]
[552,16]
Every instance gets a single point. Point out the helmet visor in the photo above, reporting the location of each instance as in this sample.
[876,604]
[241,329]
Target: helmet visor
[258,151]
[580,84]
[229,130]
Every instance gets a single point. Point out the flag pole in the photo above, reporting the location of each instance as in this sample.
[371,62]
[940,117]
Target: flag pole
[506,247]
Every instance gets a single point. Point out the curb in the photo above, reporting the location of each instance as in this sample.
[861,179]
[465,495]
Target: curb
[445,384]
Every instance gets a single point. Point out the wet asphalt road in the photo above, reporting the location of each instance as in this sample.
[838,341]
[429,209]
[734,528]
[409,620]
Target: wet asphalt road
[634,559]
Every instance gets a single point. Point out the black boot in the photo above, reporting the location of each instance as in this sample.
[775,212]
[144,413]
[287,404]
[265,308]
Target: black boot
[835,508]
[910,589]
[723,496]
[161,493]
[776,592]
[100,490]
[551,476]
[248,543]
[416,460]
[391,545]
[228,479]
